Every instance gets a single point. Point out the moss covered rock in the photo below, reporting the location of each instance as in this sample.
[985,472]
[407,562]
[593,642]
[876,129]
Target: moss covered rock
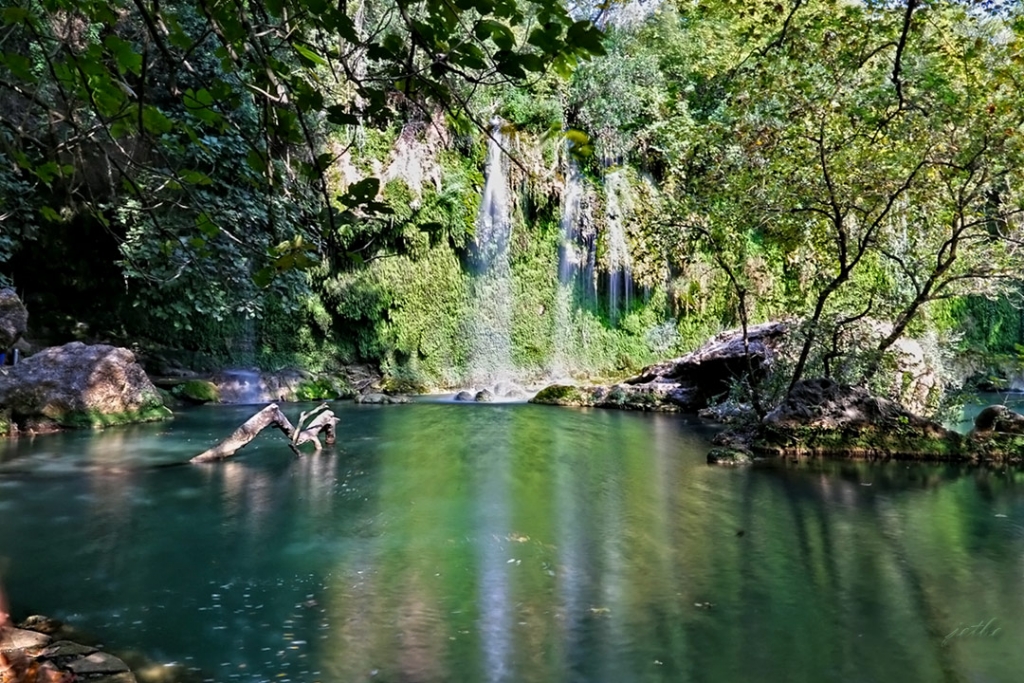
[79,385]
[198,391]
[564,395]
[823,418]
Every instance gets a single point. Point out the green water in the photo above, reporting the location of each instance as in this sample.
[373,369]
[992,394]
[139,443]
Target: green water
[449,542]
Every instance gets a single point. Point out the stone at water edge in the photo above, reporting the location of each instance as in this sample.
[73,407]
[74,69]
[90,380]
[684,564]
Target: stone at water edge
[483,396]
[564,395]
[98,663]
[464,396]
[79,385]
[998,418]
[729,457]
[380,399]
[823,418]
[13,318]
[22,639]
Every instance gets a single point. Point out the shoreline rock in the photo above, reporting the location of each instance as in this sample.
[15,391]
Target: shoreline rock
[38,649]
[13,318]
[685,384]
[824,419]
[78,385]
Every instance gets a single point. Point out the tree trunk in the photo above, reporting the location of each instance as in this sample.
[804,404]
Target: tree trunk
[271,416]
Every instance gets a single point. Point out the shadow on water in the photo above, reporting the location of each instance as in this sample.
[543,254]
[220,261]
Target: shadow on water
[514,543]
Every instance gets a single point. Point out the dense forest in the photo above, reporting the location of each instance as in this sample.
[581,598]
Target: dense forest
[291,183]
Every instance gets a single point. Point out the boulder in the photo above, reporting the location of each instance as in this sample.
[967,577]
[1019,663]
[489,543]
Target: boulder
[79,385]
[484,396]
[13,318]
[824,418]
[998,435]
[688,383]
[998,419]
[464,396]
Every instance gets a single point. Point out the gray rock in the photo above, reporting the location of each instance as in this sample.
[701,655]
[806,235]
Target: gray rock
[826,405]
[22,639]
[13,318]
[67,648]
[688,383]
[483,396]
[123,677]
[464,396]
[998,419]
[97,663]
[692,381]
[79,385]
[381,399]
[42,624]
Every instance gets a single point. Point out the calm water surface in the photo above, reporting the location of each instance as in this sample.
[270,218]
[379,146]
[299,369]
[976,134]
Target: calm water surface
[448,542]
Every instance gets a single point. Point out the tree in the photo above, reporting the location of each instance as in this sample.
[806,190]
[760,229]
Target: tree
[878,148]
[195,132]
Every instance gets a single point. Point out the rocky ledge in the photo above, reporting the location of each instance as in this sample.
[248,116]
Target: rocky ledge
[38,650]
[822,418]
[688,383]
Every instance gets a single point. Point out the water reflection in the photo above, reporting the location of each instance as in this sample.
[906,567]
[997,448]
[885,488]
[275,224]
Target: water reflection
[489,543]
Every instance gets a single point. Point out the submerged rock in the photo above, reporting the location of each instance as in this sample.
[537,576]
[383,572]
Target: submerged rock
[13,318]
[79,385]
[730,457]
[380,399]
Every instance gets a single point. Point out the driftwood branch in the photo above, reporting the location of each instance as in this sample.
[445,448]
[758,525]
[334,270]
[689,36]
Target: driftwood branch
[271,416]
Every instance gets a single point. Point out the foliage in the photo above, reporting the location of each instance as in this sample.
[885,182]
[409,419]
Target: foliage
[872,153]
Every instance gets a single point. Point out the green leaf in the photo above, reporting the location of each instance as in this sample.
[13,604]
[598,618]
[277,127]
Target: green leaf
[500,33]
[154,120]
[18,65]
[49,214]
[309,55]
[48,171]
[123,52]
[195,177]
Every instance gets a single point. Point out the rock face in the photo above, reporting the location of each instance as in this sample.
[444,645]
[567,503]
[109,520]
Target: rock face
[823,418]
[13,318]
[76,385]
[688,383]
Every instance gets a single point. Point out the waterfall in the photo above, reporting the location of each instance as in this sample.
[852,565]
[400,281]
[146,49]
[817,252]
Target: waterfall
[570,260]
[618,202]
[491,359]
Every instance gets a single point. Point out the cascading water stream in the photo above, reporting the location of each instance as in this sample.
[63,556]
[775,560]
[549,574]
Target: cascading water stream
[571,262]
[619,263]
[491,359]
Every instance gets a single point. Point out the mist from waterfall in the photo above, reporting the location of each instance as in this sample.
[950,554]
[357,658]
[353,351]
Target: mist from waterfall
[491,354]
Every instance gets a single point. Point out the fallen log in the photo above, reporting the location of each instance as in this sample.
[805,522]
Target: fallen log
[323,420]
